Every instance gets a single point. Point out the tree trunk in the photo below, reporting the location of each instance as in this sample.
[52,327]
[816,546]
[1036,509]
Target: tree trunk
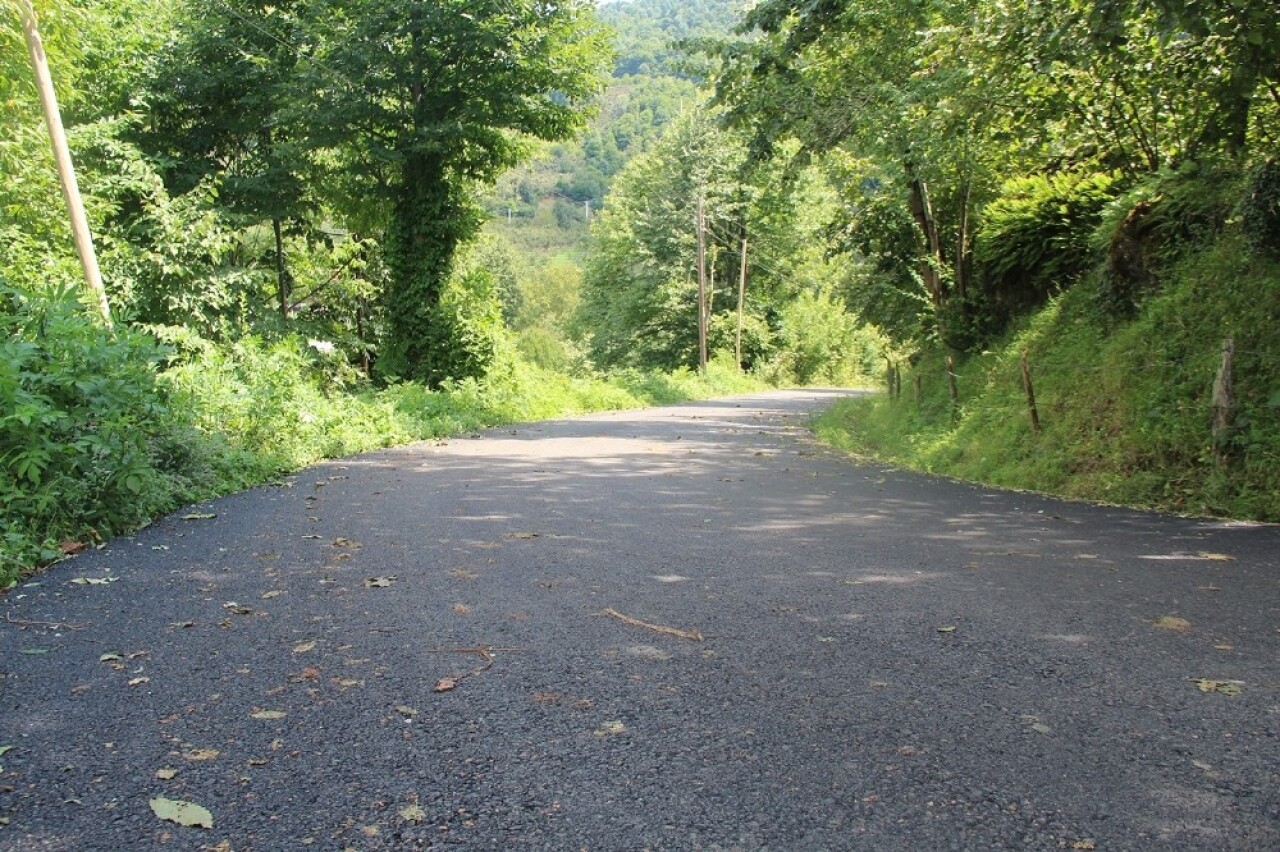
[428,223]
[922,212]
[282,275]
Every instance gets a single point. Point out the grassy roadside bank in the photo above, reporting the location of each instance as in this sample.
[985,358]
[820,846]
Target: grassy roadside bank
[1126,404]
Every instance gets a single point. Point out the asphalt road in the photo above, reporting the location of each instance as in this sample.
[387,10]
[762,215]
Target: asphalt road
[811,654]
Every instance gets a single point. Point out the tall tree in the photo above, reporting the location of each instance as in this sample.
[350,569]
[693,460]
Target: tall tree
[416,105]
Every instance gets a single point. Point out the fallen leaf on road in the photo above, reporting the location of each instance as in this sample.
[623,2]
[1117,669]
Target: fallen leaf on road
[70,548]
[199,516]
[461,609]
[94,581]
[445,684]
[274,593]
[1041,728]
[181,625]
[1172,622]
[546,697]
[948,629]
[268,714]
[406,710]
[1226,687]
[166,773]
[238,609]
[201,754]
[109,657]
[304,647]
[522,535]
[1087,844]
[462,574]
[138,681]
[378,582]
[610,728]
[183,813]
[1224,647]
[1216,557]
[413,813]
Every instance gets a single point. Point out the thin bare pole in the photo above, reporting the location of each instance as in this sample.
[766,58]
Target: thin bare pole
[62,155]
[702,285]
[742,297]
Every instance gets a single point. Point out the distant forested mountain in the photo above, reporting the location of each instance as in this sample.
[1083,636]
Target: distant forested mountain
[647,30]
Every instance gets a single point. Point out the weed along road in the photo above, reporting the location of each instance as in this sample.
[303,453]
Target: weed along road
[678,628]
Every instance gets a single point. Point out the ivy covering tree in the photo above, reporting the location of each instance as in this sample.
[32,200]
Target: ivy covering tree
[417,105]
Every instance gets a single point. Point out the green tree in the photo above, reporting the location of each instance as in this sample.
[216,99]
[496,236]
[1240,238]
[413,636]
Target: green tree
[416,105]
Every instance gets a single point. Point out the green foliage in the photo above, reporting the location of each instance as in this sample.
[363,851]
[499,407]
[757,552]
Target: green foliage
[820,342]
[1159,219]
[1261,210]
[83,422]
[1126,406]
[1035,237]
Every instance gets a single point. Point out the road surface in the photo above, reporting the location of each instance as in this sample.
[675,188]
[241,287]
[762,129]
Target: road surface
[680,628]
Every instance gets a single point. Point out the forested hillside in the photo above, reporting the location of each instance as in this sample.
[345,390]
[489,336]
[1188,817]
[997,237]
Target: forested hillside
[326,225]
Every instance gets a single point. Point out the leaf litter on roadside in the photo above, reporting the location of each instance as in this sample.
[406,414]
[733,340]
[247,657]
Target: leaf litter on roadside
[379,582]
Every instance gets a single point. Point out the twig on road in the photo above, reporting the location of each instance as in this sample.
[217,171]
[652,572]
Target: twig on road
[657,628]
[56,625]
[447,684]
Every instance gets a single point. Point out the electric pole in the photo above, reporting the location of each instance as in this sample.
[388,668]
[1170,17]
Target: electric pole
[62,156]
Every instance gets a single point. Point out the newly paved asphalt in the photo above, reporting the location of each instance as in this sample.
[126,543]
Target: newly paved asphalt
[887,661]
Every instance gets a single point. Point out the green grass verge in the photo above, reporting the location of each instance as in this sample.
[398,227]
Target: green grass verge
[1126,406]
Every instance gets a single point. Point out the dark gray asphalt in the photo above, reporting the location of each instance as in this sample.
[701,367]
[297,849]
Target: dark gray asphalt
[889,661]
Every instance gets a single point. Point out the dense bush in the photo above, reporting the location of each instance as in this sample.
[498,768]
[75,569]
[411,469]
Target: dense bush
[83,427]
[1261,209]
[1034,239]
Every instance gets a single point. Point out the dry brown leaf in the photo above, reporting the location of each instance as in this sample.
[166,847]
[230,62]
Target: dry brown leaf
[139,681]
[546,697]
[304,647]
[202,754]
[70,547]
[1172,622]
[461,609]
[274,593]
[378,582]
[445,684]
[611,728]
[1216,557]
[166,773]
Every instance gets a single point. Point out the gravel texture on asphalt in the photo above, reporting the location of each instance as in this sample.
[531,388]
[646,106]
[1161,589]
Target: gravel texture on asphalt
[886,661]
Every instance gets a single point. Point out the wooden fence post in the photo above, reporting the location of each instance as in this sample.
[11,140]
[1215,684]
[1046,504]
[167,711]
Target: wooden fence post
[951,388]
[1223,403]
[1031,393]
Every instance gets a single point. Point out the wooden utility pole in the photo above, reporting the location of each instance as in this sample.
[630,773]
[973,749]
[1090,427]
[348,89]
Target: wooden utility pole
[702,284]
[62,155]
[742,297]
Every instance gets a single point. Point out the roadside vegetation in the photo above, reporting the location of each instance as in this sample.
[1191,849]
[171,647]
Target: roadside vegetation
[307,253]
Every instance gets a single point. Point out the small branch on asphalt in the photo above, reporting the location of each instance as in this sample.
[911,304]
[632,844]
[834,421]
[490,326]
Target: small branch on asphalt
[447,684]
[56,625]
[657,628]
